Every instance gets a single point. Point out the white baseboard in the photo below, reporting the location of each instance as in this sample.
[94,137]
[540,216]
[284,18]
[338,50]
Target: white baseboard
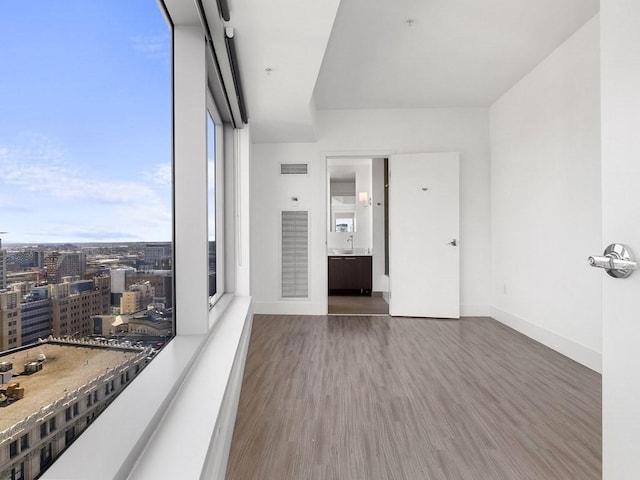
[475,310]
[316,308]
[575,351]
[287,307]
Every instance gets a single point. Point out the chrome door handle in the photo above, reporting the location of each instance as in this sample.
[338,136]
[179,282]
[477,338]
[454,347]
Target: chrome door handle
[617,260]
[453,243]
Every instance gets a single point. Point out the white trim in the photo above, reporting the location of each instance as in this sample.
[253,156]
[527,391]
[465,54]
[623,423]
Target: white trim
[219,190]
[229,230]
[475,311]
[238,179]
[386,295]
[220,210]
[580,353]
[211,104]
[195,430]
[242,154]
[357,154]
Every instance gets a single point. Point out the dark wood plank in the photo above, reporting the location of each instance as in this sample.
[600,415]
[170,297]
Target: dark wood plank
[351,398]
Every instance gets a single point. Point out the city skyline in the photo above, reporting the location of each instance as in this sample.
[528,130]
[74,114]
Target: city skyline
[85,130]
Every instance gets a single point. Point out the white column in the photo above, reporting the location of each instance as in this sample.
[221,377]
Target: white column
[242,208]
[190,181]
[229,211]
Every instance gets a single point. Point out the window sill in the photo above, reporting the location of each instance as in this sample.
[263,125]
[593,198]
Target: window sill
[180,406]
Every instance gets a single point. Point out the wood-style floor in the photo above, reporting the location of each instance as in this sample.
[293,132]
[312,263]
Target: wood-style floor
[381,398]
[357,304]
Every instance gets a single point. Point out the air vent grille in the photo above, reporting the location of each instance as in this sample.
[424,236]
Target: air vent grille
[294,168]
[295,254]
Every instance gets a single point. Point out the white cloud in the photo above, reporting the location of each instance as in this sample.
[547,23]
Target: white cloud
[9,202]
[152,46]
[75,203]
[161,174]
[41,167]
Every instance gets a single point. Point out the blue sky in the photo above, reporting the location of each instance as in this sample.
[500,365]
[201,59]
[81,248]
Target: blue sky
[85,121]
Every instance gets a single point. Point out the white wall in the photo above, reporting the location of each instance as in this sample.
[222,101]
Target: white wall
[374,133]
[545,200]
[621,223]
[271,193]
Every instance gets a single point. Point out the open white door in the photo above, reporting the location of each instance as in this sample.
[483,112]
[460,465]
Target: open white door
[424,225]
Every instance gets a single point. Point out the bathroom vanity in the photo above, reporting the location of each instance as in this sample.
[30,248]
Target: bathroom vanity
[350,272]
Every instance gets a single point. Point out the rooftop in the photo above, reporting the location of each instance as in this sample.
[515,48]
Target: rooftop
[66,368]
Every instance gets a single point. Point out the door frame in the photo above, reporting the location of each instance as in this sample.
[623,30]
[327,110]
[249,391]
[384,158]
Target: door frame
[355,154]
[326,154]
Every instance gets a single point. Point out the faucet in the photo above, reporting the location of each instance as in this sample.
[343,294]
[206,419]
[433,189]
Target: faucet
[350,241]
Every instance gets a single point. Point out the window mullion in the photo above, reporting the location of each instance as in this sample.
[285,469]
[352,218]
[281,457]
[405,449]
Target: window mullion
[190,181]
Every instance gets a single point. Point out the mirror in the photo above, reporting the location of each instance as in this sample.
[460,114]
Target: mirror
[343,203]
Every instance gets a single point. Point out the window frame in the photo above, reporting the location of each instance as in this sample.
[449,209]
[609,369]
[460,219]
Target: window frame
[14,449]
[46,455]
[219,189]
[17,472]
[197,330]
[24,442]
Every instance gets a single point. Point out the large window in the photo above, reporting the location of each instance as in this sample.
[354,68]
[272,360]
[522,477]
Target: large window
[86,267]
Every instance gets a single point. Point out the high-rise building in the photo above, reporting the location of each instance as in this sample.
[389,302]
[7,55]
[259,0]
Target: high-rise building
[35,319]
[10,325]
[65,402]
[3,267]
[64,264]
[23,288]
[136,298]
[24,318]
[157,256]
[129,302]
[119,278]
[33,276]
[72,306]
[161,281]
[25,258]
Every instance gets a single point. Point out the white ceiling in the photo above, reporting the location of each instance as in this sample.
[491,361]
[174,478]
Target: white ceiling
[290,38]
[454,53]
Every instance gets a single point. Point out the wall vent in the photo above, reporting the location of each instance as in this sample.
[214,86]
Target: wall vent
[295,254]
[294,168]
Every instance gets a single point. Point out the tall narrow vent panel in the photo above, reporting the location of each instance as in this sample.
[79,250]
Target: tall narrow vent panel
[295,254]
[294,168]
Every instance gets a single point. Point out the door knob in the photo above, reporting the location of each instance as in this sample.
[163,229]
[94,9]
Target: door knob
[617,260]
[453,243]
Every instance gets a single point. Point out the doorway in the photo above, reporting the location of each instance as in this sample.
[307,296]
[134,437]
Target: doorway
[357,252]
[402,234]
